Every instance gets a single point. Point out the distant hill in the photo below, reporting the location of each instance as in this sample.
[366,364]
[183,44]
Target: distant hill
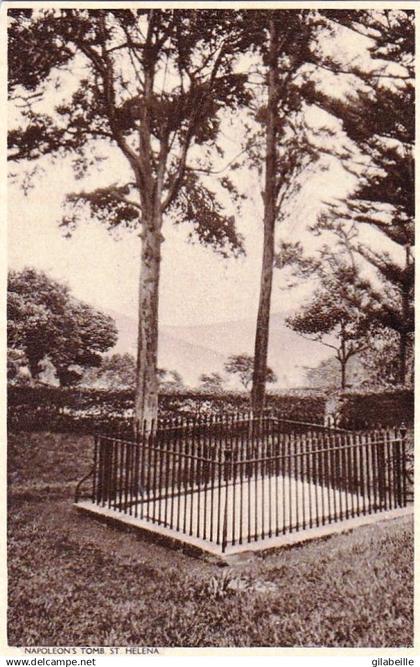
[192,350]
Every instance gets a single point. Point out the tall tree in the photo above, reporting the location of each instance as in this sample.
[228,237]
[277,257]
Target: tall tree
[367,118]
[380,121]
[44,320]
[270,197]
[332,319]
[290,42]
[340,310]
[153,83]
[284,41]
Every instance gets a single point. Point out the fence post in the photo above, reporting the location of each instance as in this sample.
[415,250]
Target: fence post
[380,462]
[106,487]
[402,467]
[95,469]
[227,474]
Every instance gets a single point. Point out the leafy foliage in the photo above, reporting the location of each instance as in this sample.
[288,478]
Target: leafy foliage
[382,363]
[211,382]
[45,320]
[170,380]
[243,365]
[197,205]
[116,372]
[16,364]
[336,315]
[153,85]
[379,119]
[86,410]
[327,374]
[386,407]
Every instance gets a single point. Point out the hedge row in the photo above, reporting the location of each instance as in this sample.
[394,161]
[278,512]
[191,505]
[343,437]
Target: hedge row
[52,408]
[31,408]
[383,408]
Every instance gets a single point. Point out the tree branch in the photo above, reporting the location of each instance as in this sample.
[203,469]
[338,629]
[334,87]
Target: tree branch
[124,200]
[177,180]
[335,69]
[316,340]
[215,172]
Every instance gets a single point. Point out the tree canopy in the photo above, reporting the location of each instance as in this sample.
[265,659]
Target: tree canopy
[154,86]
[328,374]
[380,121]
[211,382]
[45,320]
[334,317]
[150,83]
[170,380]
[116,371]
[242,365]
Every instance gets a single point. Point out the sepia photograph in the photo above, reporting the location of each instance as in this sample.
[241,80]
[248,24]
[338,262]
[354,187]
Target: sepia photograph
[210,325]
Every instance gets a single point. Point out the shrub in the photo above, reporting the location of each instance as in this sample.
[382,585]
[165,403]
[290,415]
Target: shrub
[63,409]
[389,407]
[83,410]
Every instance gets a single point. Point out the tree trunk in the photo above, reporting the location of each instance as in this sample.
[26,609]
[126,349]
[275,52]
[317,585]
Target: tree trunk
[146,400]
[34,358]
[405,317]
[342,355]
[343,373]
[402,357]
[263,317]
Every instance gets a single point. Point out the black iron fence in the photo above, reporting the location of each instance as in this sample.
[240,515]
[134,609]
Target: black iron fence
[237,479]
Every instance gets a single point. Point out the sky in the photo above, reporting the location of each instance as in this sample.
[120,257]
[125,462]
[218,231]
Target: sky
[197,286]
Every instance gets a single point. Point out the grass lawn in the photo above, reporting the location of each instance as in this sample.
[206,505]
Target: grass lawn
[75,581]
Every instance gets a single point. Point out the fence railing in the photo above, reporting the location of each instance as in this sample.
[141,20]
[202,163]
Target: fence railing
[238,479]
